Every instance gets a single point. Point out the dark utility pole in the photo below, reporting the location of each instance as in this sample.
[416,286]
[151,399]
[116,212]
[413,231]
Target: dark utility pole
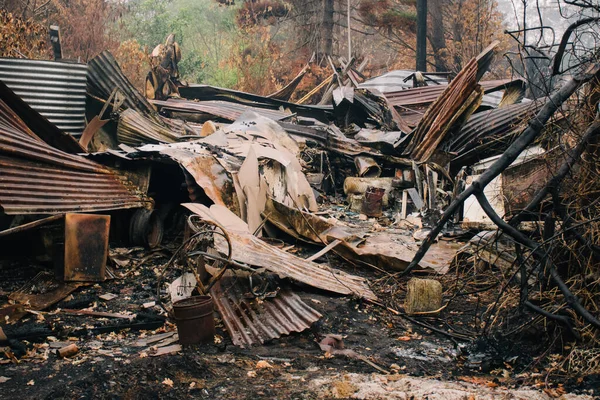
[421,35]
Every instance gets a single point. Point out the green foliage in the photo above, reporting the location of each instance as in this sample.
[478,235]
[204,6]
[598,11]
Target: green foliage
[206,32]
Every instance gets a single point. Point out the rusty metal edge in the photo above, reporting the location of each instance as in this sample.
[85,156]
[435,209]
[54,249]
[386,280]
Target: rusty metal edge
[249,321]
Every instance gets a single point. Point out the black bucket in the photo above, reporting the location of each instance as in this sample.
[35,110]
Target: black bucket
[194,319]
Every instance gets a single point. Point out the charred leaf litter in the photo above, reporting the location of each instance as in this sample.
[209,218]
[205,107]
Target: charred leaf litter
[220,244]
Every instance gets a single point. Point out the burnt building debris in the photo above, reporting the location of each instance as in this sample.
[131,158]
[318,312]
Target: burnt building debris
[256,196]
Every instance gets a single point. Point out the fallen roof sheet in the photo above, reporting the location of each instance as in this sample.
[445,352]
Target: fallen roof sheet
[453,107]
[35,122]
[487,133]
[135,129]
[428,94]
[398,80]
[104,75]
[250,250]
[206,92]
[36,178]
[222,109]
[380,250]
[250,320]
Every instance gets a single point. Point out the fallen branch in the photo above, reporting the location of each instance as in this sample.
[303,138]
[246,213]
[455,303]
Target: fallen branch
[565,168]
[536,125]
[519,237]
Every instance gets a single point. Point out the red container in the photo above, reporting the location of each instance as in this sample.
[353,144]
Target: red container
[373,202]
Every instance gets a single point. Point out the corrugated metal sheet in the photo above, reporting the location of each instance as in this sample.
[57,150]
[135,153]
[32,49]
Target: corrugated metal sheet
[135,129]
[249,320]
[34,122]
[394,81]
[206,93]
[57,90]
[221,109]
[105,75]
[488,133]
[250,250]
[428,94]
[451,109]
[36,178]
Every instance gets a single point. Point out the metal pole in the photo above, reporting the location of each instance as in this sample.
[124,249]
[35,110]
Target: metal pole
[349,39]
[421,64]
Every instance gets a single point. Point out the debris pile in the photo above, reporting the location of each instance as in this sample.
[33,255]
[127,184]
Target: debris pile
[250,202]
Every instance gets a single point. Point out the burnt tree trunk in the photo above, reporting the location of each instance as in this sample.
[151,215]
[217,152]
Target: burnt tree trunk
[436,34]
[327,29]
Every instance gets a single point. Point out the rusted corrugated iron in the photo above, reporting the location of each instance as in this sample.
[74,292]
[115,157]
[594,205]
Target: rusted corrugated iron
[488,133]
[250,320]
[135,129]
[36,178]
[453,107]
[250,250]
[221,109]
[104,75]
[428,94]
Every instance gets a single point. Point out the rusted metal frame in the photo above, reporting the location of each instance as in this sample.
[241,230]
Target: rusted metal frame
[31,225]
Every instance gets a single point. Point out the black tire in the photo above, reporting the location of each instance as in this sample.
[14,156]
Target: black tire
[146,228]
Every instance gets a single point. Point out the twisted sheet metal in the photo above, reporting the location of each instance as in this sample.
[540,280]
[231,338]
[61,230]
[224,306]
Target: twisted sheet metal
[104,75]
[206,92]
[36,178]
[221,109]
[135,129]
[250,250]
[54,89]
[249,320]
[487,133]
[428,94]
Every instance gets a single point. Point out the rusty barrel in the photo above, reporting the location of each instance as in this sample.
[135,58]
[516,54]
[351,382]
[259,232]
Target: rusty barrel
[372,203]
[194,319]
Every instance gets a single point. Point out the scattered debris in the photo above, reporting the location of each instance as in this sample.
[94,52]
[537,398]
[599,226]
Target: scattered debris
[243,237]
[68,351]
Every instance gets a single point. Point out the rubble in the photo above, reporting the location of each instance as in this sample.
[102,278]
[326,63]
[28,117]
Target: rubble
[235,199]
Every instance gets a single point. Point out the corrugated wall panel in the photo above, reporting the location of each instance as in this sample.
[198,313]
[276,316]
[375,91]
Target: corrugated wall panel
[56,90]
[36,178]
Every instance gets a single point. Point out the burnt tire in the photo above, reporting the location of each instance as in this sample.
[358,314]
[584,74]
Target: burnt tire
[146,228]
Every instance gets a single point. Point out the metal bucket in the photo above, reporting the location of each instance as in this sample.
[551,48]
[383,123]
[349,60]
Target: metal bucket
[194,319]
[373,202]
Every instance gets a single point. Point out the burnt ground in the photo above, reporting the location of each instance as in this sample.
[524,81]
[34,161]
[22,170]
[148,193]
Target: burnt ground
[110,364]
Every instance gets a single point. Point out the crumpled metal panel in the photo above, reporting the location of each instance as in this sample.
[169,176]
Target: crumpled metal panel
[206,92]
[104,75]
[488,133]
[250,250]
[249,320]
[36,178]
[221,109]
[135,129]
[428,94]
